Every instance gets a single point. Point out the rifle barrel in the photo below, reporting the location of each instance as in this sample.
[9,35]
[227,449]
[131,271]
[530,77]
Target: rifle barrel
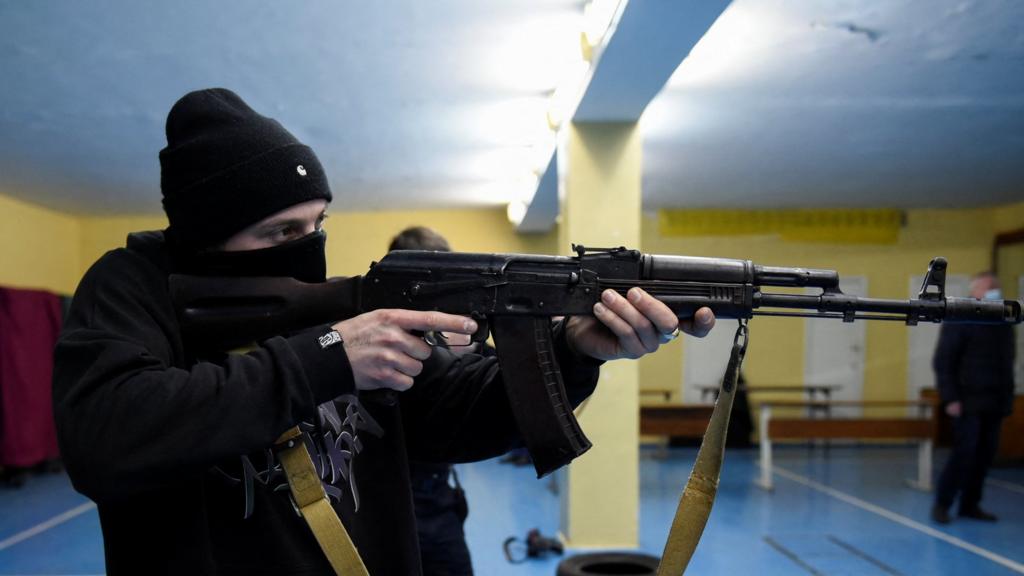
[954,310]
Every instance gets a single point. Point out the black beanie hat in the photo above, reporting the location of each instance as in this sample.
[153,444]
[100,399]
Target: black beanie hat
[227,167]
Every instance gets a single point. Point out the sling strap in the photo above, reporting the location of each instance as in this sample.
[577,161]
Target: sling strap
[314,507]
[687,527]
[699,495]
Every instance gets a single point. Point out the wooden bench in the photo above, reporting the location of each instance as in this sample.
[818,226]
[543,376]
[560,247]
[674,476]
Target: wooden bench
[920,429]
[810,390]
[666,395]
[683,420]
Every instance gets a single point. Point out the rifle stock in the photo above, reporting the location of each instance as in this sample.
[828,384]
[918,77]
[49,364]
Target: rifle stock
[225,313]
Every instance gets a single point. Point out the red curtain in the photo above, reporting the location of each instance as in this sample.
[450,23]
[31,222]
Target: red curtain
[29,323]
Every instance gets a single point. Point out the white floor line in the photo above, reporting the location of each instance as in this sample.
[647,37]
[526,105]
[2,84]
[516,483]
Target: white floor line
[1011,486]
[44,526]
[900,519]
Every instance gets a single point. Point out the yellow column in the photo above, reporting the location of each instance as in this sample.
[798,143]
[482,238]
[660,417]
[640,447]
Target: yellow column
[601,208]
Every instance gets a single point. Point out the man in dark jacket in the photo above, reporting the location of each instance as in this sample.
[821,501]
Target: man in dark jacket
[174,442]
[974,374]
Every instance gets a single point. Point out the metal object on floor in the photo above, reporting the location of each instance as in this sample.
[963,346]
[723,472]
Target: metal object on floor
[535,545]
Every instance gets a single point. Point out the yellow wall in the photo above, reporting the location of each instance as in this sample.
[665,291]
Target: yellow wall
[41,248]
[1010,258]
[101,234]
[1009,217]
[38,247]
[354,239]
[49,250]
[776,351]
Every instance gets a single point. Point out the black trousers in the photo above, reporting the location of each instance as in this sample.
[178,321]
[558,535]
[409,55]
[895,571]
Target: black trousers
[975,441]
[440,512]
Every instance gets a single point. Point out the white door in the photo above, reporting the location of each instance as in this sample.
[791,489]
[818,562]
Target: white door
[834,352]
[922,339]
[1019,376]
[704,361]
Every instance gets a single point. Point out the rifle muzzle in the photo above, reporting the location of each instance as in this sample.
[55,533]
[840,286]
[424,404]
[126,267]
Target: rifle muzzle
[974,311]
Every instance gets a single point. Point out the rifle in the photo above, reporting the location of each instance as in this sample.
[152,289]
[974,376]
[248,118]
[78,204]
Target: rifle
[515,295]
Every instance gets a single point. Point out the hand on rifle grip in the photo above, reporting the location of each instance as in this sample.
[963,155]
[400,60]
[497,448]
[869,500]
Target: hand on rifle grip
[384,349]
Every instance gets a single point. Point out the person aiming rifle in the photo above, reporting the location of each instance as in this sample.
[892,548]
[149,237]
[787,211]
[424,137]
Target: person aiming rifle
[199,457]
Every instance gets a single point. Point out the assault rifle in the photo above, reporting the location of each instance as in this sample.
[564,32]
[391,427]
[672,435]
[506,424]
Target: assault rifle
[514,296]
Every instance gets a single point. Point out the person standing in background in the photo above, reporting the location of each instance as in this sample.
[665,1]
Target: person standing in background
[439,501]
[974,374]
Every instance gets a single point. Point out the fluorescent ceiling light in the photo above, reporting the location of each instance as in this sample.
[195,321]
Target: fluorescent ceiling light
[567,96]
[509,122]
[498,164]
[515,212]
[533,67]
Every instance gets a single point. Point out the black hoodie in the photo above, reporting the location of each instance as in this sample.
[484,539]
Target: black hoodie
[174,450]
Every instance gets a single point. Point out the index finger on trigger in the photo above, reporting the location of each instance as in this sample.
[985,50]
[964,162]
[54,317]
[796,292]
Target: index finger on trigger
[435,322]
[456,339]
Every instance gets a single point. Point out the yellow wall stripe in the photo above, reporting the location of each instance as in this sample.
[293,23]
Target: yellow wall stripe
[828,225]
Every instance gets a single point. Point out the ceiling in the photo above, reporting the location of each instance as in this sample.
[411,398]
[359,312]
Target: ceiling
[439,104]
[902,103]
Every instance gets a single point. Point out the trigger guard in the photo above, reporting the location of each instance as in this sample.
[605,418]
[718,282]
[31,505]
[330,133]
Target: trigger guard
[483,328]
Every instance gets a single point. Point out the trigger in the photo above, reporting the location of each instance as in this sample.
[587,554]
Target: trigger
[435,338]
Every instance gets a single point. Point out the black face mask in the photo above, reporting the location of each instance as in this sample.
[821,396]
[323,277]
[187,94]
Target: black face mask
[304,259]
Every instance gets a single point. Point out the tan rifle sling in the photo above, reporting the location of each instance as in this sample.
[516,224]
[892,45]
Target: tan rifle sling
[699,494]
[687,526]
[314,507]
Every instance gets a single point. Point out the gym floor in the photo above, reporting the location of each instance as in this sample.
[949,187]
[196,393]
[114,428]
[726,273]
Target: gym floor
[847,512]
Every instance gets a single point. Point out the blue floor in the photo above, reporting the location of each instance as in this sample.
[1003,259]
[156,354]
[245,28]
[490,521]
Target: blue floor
[844,513]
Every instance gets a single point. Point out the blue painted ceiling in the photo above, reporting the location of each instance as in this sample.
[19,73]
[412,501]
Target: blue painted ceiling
[844,103]
[424,104]
[408,104]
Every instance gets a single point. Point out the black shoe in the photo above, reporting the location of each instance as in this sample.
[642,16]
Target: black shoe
[517,458]
[977,513]
[53,466]
[14,477]
[940,515]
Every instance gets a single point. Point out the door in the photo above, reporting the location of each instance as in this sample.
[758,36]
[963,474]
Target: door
[704,361]
[1019,376]
[834,352]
